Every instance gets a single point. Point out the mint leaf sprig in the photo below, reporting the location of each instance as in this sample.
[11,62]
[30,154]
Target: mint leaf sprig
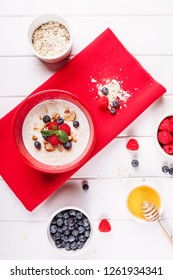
[61,134]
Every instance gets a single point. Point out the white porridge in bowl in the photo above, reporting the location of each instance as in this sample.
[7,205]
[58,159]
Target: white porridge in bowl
[55,132]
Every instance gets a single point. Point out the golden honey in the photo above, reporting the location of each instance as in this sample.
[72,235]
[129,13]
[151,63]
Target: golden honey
[140,194]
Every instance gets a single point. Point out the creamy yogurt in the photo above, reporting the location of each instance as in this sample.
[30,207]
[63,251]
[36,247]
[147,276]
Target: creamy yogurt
[33,124]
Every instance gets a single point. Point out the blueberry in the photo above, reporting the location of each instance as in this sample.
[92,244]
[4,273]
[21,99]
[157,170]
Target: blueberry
[67,232]
[171,171]
[45,137]
[75,232]
[60,229]
[71,238]
[62,244]
[135,163]
[60,120]
[65,222]
[76,124]
[79,215]
[74,245]
[87,233]
[82,238]
[64,227]
[71,221]
[68,246]
[53,221]
[86,223]
[72,212]
[80,244]
[53,229]
[80,223]
[112,111]
[59,215]
[105,90]
[116,104]
[67,145]
[85,187]
[81,229]
[37,144]
[65,215]
[165,169]
[64,238]
[46,119]
[57,236]
[71,227]
[58,243]
[59,222]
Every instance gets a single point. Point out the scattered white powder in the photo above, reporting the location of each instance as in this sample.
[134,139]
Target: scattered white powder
[115,91]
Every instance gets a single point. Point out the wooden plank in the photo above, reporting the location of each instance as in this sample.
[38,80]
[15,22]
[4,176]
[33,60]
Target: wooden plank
[127,240]
[106,197]
[78,7]
[139,127]
[27,73]
[139,38]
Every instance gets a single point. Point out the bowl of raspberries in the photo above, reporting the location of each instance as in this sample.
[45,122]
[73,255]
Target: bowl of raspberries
[69,230]
[165,135]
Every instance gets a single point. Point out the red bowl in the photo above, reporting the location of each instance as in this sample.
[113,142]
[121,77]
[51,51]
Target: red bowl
[18,120]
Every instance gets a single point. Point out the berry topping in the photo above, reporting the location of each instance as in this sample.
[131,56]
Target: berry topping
[53,140]
[135,163]
[85,187]
[164,137]
[105,90]
[65,127]
[52,126]
[37,144]
[104,226]
[60,120]
[112,111]
[115,103]
[46,119]
[165,169]
[171,171]
[132,145]
[75,124]
[67,145]
[166,125]
[103,102]
[168,149]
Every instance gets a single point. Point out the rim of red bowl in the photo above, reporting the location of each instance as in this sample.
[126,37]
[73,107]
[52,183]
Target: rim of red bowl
[20,114]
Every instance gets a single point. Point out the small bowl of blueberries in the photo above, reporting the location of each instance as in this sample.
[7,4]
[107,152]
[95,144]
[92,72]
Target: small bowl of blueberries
[69,231]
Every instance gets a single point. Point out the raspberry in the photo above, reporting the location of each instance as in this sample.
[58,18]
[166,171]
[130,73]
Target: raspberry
[53,139]
[65,127]
[104,226]
[164,137]
[171,119]
[132,145]
[168,149]
[103,102]
[52,125]
[166,125]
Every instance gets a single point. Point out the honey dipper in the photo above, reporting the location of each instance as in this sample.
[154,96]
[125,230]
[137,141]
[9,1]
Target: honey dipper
[151,214]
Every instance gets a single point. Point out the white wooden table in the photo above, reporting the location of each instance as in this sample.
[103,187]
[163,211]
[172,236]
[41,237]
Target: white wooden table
[146,29]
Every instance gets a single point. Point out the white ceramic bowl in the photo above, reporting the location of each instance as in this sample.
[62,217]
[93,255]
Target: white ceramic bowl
[37,22]
[63,251]
[158,145]
[149,186]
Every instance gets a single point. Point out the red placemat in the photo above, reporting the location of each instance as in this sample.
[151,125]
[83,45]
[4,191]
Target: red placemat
[105,58]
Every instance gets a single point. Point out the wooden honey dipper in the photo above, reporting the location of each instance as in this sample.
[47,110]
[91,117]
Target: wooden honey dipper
[151,214]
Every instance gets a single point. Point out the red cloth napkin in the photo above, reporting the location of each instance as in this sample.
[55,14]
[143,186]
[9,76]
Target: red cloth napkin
[104,58]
